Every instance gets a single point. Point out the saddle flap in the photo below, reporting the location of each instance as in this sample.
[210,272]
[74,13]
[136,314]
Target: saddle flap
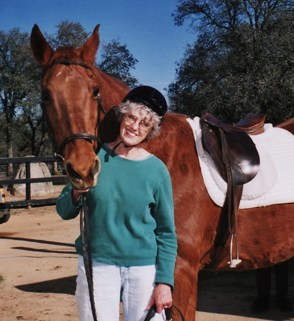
[233,147]
[243,155]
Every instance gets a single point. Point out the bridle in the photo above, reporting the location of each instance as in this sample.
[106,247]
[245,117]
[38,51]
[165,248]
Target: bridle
[73,137]
[58,151]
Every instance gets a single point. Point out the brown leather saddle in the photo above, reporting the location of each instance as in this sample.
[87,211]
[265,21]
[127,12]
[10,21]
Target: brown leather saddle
[231,146]
[237,160]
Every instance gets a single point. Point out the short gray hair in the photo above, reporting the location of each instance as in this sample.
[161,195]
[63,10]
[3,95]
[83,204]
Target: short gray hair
[152,117]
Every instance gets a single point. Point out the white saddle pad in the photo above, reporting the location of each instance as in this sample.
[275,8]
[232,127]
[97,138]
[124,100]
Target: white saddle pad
[274,183]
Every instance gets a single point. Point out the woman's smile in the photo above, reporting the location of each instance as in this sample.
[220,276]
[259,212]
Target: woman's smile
[130,132]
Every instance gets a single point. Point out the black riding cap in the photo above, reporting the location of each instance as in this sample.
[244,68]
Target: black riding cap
[149,97]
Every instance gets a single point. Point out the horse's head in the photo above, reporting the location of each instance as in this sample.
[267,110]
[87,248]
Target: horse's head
[75,96]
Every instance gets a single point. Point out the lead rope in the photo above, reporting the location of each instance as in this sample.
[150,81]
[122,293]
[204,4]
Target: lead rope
[84,228]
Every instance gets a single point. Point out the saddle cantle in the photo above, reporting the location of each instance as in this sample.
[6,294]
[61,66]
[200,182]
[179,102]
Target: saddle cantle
[252,124]
[237,159]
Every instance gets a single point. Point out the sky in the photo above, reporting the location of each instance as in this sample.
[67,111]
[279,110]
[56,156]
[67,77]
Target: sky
[146,27]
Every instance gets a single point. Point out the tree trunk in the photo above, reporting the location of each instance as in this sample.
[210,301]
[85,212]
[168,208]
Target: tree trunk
[9,149]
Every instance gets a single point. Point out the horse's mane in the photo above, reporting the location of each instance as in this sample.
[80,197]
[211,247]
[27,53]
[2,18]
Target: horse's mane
[112,91]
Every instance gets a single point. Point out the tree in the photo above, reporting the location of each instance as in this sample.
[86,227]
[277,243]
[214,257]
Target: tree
[242,61]
[12,81]
[69,34]
[116,60]
[31,137]
[20,90]
[15,82]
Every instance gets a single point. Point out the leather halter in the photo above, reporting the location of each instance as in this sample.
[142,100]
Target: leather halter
[58,151]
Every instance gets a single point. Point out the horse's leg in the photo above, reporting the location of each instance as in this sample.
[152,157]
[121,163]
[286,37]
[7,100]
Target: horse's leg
[185,294]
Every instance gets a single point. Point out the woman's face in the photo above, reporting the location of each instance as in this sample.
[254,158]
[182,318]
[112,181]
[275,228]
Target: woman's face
[134,127]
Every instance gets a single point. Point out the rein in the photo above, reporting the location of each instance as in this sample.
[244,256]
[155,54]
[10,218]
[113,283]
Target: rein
[84,227]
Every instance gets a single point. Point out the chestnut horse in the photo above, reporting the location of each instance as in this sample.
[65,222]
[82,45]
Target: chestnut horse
[74,92]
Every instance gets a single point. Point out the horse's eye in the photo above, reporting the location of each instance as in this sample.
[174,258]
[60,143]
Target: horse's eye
[95,92]
[46,95]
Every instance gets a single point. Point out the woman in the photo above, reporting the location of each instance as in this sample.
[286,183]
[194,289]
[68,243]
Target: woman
[133,240]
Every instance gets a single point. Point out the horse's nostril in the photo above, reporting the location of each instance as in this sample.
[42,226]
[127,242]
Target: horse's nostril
[96,168]
[71,172]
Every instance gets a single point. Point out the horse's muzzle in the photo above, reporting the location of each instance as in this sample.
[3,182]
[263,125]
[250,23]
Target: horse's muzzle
[83,178]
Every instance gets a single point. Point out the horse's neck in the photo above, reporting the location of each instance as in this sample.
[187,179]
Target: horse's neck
[112,90]
[175,132]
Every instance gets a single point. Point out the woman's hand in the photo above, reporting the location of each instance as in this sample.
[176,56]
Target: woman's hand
[76,194]
[162,297]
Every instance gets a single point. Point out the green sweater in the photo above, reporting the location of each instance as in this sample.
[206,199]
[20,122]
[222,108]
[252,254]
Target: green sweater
[131,214]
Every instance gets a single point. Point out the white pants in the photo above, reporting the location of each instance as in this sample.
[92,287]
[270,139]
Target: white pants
[134,285]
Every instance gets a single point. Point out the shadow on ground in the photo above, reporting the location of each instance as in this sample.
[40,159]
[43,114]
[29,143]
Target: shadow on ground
[232,293]
[63,285]
[222,292]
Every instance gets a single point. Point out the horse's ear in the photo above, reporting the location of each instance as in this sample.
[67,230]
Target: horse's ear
[90,47]
[40,47]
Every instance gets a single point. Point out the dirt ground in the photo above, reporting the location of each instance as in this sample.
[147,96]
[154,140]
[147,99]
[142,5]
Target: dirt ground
[38,265]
